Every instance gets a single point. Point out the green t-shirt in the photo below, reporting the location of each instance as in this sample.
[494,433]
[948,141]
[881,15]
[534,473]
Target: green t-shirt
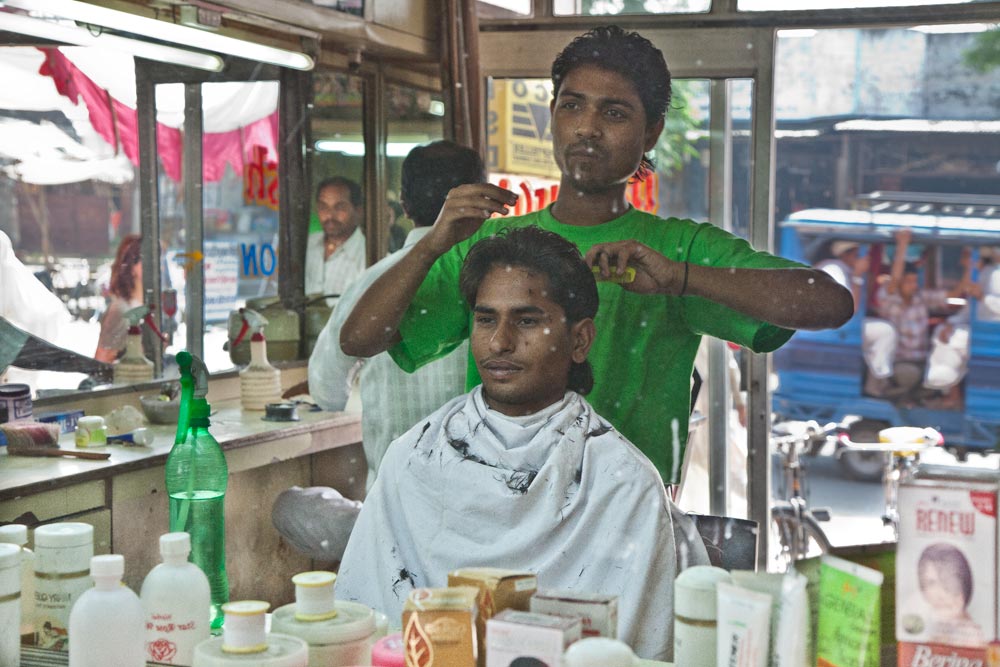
[644,351]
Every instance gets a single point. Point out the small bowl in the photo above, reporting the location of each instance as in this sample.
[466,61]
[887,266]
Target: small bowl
[159,411]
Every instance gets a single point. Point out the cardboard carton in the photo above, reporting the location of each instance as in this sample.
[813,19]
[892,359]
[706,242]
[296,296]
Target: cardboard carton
[516,637]
[439,627]
[498,590]
[599,613]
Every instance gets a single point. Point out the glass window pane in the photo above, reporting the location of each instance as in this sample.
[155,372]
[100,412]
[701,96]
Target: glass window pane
[799,5]
[504,9]
[613,7]
[68,196]
[415,117]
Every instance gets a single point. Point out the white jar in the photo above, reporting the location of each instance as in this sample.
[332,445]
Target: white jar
[10,604]
[244,642]
[339,633]
[600,652]
[62,573]
[15,533]
[91,432]
[695,612]
[177,602]
[107,626]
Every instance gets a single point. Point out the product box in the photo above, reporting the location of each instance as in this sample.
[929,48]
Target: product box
[599,613]
[946,564]
[439,627]
[66,419]
[524,638]
[916,654]
[498,590]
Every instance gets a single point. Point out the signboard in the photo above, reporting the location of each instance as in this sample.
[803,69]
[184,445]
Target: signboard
[537,193]
[518,127]
[222,268]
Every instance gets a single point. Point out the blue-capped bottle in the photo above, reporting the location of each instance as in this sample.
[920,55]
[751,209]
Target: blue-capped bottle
[196,483]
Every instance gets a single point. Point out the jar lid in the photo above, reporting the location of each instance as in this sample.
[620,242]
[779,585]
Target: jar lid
[14,533]
[14,390]
[694,591]
[353,622]
[66,534]
[10,556]
[599,652]
[388,652]
[91,421]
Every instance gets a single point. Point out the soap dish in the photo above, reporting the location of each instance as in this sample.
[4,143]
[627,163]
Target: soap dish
[280,412]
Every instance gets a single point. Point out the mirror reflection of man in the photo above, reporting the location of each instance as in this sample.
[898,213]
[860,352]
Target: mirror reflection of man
[521,472]
[612,90]
[335,256]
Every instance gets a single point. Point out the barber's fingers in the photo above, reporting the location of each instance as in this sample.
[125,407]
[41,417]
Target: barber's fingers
[480,198]
[617,254]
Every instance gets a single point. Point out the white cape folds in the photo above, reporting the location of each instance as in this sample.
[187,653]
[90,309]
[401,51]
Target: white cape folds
[561,494]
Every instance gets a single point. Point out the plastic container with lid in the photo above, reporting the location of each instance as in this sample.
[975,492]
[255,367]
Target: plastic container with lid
[91,431]
[695,614]
[600,652]
[107,626]
[388,652]
[245,643]
[10,604]
[15,402]
[339,633]
[17,534]
[62,573]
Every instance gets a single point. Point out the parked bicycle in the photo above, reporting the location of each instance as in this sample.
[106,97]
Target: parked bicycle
[795,526]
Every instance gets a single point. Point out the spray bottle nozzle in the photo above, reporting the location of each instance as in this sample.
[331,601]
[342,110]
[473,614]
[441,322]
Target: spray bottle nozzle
[134,317]
[194,389]
[253,322]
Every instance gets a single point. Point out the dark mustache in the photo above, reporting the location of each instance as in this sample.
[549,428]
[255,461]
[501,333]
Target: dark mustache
[586,147]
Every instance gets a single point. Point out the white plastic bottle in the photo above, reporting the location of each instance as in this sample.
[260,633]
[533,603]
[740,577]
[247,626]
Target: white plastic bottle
[62,561]
[15,533]
[107,624]
[178,604]
[10,604]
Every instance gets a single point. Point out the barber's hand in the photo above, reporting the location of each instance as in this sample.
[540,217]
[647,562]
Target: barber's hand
[654,273]
[465,210]
[903,236]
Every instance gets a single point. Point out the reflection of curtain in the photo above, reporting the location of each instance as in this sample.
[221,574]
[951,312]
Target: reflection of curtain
[460,65]
[117,124]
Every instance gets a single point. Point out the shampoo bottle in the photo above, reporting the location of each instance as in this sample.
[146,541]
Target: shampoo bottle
[260,382]
[177,600]
[107,624]
[134,367]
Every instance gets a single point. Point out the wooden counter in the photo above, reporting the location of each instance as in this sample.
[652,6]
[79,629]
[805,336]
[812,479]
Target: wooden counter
[125,499]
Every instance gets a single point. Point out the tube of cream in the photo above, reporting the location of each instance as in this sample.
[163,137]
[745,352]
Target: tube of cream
[744,627]
[789,613]
[848,614]
[140,436]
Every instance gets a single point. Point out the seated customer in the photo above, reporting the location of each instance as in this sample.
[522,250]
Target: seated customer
[520,472]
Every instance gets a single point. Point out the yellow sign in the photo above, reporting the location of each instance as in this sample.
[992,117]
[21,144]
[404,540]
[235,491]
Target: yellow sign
[518,126]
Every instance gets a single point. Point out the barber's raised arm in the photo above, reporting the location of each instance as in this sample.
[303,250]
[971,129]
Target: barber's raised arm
[373,325]
[792,298]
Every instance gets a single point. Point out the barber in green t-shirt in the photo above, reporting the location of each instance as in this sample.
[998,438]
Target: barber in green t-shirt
[611,91]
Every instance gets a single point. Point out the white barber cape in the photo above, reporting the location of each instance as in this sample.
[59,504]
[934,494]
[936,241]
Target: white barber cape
[559,493]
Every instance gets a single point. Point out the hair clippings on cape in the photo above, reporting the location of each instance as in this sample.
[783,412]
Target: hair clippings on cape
[615,277]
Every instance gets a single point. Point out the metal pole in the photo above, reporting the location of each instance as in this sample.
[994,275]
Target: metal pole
[149,205]
[375,134]
[762,237]
[294,184]
[194,290]
[720,207]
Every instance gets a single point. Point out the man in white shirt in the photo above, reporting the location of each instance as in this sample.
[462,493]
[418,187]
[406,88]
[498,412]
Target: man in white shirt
[521,473]
[336,255]
[393,400]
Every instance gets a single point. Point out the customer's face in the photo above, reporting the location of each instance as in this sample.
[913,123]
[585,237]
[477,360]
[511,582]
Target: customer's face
[599,129]
[336,213]
[521,342]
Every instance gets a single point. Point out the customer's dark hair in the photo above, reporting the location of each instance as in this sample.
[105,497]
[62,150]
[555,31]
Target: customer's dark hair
[571,281]
[129,253]
[628,54]
[353,189]
[430,172]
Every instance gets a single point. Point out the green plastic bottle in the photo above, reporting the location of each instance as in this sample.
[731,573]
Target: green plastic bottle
[196,483]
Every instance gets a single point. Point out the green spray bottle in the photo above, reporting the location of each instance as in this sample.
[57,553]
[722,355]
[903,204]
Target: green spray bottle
[196,483]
